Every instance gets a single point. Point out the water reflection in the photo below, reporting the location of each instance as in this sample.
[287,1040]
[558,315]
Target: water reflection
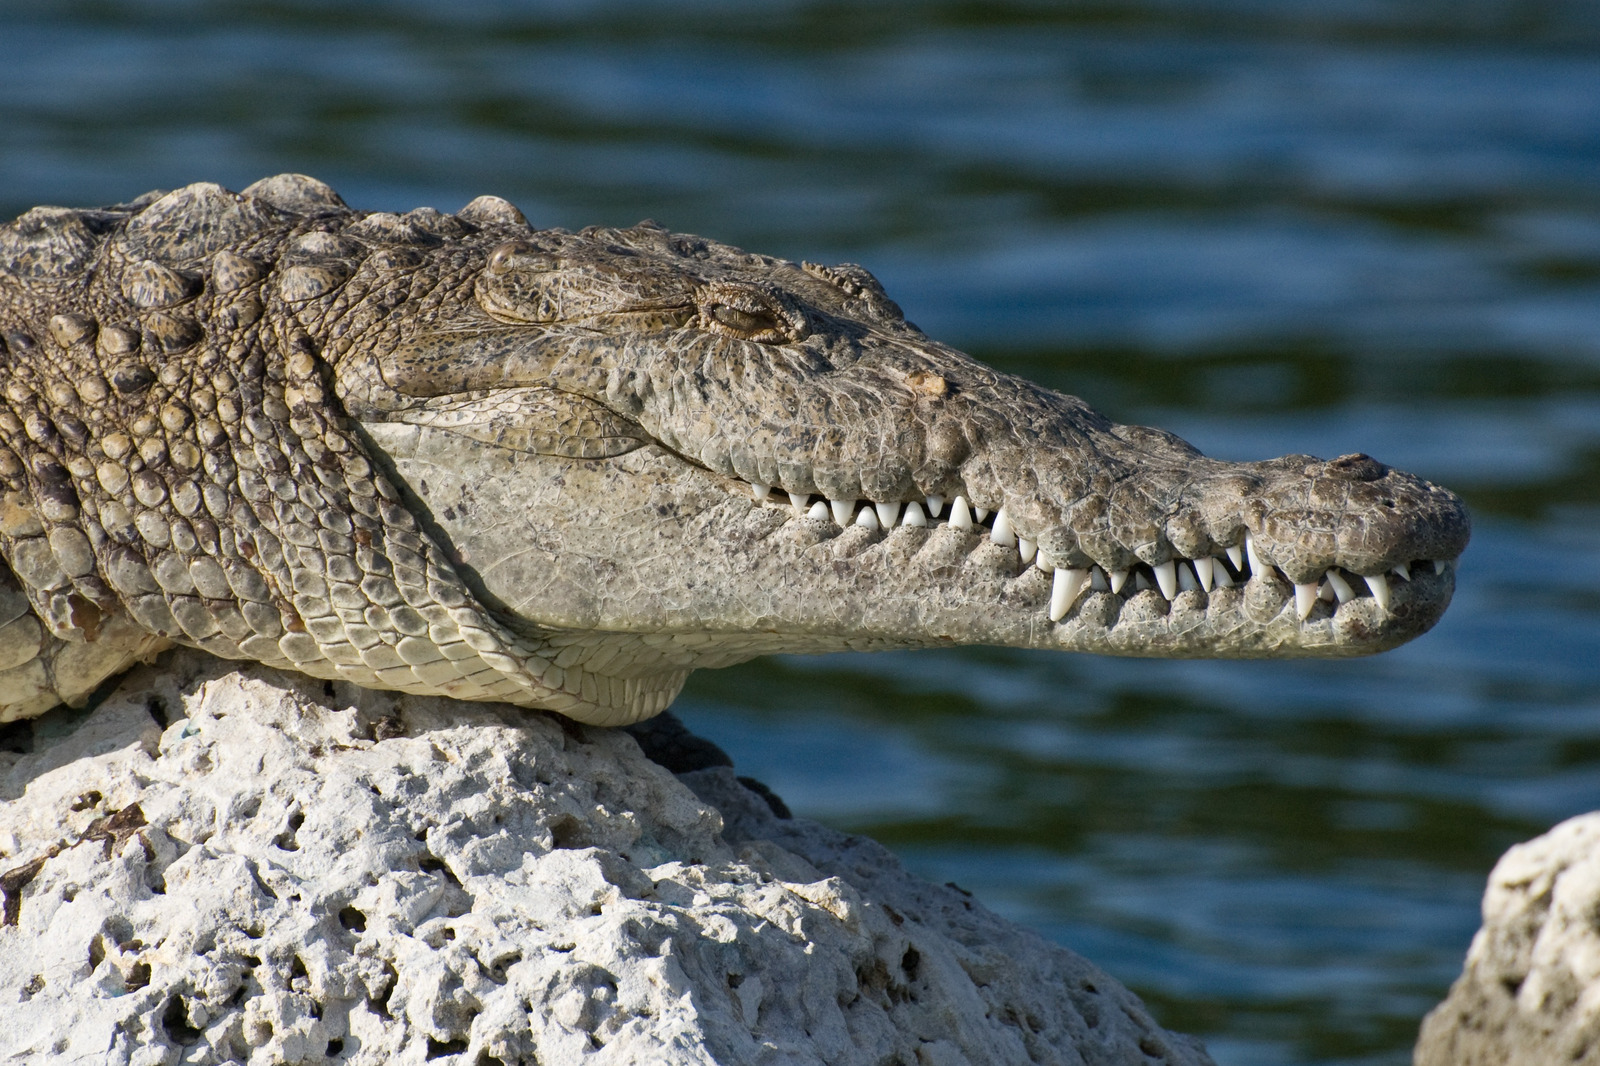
[1269,225]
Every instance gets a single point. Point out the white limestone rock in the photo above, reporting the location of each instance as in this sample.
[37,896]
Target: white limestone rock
[226,864]
[1529,993]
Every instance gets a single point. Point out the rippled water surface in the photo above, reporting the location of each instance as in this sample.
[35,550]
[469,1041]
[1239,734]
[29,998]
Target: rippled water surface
[1272,226]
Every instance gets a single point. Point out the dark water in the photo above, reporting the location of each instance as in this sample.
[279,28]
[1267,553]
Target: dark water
[1272,226]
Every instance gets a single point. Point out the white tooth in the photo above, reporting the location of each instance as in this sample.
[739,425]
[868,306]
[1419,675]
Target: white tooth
[1064,588]
[1002,533]
[1305,598]
[1045,563]
[1186,579]
[1167,578]
[1257,567]
[868,518]
[1205,569]
[760,491]
[914,515]
[935,505]
[960,514]
[842,509]
[1236,556]
[1379,584]
[797,500]
[1027,549]
[888,514]
[1439,565]
[1325,592]
[818,510]
[1097,580]
[1404,570]
[1118,578]
[1341,587]
[980,513]
[1220,574]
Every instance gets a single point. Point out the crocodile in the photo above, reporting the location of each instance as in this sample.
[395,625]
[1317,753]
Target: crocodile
[459,455]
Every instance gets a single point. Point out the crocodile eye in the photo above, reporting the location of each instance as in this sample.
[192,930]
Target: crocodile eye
[748,323]
[747,313]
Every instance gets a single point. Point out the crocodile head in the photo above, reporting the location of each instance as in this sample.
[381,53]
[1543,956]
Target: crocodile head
[648,452]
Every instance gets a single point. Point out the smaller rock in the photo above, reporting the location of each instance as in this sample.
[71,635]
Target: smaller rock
[1529,994]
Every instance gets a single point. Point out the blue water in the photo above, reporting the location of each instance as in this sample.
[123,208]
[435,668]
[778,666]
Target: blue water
[1271,226]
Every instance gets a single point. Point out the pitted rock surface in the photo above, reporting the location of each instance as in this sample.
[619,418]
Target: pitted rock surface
[237,865]
[1529,994]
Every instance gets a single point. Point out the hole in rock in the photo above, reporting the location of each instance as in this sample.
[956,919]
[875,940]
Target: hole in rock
[388,728]
[138,976]
[335,1046]
[910,962]
[87,800]
[380,1002]
[353,920]
[497,971]
[17,737]
[175,1020]
[439,1048]
[286,839]
[568,832]
[431,863]
[157,708]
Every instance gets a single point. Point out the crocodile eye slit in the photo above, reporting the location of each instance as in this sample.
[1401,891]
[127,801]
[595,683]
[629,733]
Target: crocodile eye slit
[739,321]
[1233,568]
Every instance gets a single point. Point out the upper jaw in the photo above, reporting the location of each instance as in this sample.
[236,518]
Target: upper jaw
[1100,507]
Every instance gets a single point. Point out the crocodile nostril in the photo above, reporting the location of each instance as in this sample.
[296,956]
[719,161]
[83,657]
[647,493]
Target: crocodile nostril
[1357,466]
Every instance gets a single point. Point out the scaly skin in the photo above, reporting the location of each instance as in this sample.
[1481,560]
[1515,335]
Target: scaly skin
[456,455]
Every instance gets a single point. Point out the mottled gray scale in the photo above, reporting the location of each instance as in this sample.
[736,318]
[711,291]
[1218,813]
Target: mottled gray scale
[297,194]
[431,221]
[492,211]
[172,332]
[49,243]
[73,328]
[116,342]
[231,272]
[150,286]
